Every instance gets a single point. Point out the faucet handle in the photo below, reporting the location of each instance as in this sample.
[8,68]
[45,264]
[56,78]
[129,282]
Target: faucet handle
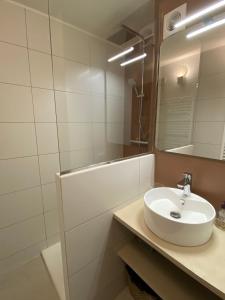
[187,178]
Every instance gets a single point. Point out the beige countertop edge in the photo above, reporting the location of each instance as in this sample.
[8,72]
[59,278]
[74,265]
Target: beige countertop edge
[211,275]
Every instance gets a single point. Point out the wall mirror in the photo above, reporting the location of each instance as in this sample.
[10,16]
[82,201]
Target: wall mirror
[191,94]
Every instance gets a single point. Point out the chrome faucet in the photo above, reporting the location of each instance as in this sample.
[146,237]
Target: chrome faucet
[185,185]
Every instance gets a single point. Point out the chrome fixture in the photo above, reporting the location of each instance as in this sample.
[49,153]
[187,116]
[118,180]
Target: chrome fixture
[185,185]
[175,214]
[139,142]
[133,84]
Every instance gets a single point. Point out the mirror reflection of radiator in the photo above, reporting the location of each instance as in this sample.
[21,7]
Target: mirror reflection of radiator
[222,155]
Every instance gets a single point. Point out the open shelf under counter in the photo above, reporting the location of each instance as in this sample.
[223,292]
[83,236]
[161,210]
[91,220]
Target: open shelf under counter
[169,282]
[205,264]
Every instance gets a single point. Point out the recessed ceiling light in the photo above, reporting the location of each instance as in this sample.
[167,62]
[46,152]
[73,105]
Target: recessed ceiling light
[132,60]
[205,28]
[201,13]
[121,54]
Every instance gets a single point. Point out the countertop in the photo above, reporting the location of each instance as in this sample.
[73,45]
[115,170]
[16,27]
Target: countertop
[205,263]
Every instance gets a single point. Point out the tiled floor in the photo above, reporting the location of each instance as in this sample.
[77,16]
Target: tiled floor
[32,282]
[29,282]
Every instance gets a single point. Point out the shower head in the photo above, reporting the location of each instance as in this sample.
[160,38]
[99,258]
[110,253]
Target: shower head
[133,84]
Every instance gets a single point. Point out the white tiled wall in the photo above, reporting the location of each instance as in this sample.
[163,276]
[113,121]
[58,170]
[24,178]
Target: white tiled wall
[29,147]
[89,234]
[89,97]
[78,87]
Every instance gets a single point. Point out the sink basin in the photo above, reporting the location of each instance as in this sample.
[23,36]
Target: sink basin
[182,221]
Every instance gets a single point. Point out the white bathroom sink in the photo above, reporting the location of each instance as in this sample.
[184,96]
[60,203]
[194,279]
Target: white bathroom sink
[184,221]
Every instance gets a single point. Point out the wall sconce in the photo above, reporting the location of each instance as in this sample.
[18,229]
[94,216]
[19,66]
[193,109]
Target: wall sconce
[180,80]
[181,75]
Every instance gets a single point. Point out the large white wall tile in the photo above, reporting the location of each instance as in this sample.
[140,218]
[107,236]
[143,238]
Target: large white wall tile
[115,133]
[115,82]
[17,140]
[21,236]
[115,109]
[12,24]
[114,151]
[70,160]
[69,42]
[82,250]
[73,107]
[16,207]
[208,132]
[71,76]
[47,138]
[18,174]
[38,31]
[52,240]
[16,104]
[41,70]
[49,166]
[44,105]
[99,142]
[83,285]
[49,196]
[210,110]
[95,277]
[147,172]
[20,258]
[98,108]
[74,136]
[98,53]
[14,64]
[97,80]
[52,223]
[103,189]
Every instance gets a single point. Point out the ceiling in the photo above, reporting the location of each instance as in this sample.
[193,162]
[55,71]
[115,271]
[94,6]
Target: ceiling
[100,17]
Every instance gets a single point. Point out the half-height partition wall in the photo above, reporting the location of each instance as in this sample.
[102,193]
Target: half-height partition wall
[89,236]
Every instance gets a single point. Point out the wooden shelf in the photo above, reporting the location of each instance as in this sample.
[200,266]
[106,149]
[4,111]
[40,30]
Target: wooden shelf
[168,281]
[205,263]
